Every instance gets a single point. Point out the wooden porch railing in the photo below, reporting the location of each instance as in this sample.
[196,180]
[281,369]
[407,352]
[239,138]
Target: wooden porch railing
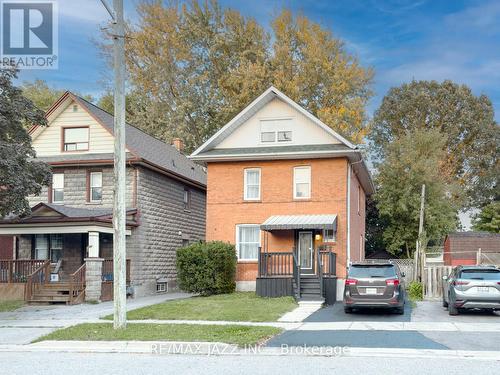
[77,284]
[36,279]
[107,270]
[276,264]
[17,271]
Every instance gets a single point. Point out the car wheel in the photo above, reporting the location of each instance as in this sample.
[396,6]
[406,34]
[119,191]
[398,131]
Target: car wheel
[452,310]
[445,304]
[400,310]
[348,310]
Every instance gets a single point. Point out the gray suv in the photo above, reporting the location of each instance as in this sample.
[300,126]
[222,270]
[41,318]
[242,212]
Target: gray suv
[374,285]
[472,287]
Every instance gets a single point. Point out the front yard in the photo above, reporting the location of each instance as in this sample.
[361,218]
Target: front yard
[10,305]
[243,306]
[229,334]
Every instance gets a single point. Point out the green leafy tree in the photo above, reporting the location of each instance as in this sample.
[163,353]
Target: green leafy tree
[488,220]
[375,227]
[20,173]
[192,67]
[42,95]
[410,161]
[466,121]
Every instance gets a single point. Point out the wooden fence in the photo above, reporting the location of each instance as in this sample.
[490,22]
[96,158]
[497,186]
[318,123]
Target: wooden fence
[433,281]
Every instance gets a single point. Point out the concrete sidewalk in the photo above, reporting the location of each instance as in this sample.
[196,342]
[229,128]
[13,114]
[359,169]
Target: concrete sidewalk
[220,349]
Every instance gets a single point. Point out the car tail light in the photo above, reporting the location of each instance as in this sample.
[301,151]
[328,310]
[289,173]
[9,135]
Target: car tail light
[392,282]
[457,282]
[351,282]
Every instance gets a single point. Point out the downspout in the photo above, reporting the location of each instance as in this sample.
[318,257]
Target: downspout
[349,167]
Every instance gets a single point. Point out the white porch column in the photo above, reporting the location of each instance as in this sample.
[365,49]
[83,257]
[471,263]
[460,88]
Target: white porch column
[93,245]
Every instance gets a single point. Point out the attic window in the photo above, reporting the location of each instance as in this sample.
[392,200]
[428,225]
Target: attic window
[76,139]
[75,108]
[276,130]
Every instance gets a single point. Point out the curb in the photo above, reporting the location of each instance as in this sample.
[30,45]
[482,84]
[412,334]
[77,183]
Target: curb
[221,349]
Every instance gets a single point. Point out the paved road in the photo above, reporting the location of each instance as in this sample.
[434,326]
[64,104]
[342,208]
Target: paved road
[433,311]
[123,364]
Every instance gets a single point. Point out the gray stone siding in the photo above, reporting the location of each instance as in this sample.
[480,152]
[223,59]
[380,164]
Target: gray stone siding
[164,224]
[75,188]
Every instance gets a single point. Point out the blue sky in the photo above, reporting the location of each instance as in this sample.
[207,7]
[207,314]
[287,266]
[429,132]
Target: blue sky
[400,39]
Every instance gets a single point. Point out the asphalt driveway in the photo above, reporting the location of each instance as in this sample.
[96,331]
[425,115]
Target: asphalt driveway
[336,313]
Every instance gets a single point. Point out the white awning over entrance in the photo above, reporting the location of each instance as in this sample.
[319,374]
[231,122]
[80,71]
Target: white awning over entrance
[287,222]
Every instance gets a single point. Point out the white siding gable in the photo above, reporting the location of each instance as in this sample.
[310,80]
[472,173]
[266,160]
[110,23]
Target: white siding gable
[275,115]
[47,141]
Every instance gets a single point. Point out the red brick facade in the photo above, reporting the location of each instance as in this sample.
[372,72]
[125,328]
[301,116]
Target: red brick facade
[226,207]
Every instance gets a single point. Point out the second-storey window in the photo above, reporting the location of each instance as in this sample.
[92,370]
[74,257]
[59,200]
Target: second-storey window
[247,241]
[302,182]
[76,139]
[57,187]
[252,184]
[187,199]
[95,192]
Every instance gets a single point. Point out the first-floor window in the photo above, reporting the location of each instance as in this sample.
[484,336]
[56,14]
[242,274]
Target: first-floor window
[41,246]
[56,247]
[247,241]
[329,235]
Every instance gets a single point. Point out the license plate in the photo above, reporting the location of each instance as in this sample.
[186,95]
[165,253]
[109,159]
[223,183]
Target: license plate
[371,290]
[483,289]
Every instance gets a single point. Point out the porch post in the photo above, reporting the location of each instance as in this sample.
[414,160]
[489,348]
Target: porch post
[93,245]
[93,279]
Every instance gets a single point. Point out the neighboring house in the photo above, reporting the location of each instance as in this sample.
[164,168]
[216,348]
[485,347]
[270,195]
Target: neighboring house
[290,193]
[71,221]
[462,248]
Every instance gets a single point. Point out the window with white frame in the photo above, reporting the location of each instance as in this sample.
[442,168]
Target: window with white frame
[329,235]
[302,182]
[56,247]
[247,241]
[252,184]
[76,139]
[187,199]
[276,130]
[95,192]
[41,246]
[57,187]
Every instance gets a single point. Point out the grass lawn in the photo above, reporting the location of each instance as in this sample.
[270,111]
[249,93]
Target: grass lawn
[243,306]
[232,334]
[10,305]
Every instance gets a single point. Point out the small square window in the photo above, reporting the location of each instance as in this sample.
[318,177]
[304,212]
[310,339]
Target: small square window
[329,235]
[161,287]
[285,136]
[268,137]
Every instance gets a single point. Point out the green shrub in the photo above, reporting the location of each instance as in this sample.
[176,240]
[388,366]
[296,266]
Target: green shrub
[415,291]
[207,268]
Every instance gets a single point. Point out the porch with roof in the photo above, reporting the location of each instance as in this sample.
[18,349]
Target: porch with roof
[55,246]
[308,270]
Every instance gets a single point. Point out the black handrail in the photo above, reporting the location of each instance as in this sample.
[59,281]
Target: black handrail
[296,275]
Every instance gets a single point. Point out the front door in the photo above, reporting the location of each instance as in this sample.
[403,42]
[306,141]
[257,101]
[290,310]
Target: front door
[305,252]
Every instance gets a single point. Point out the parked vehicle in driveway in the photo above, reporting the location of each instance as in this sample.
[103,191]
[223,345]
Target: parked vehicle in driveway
[472,287]
[374,285]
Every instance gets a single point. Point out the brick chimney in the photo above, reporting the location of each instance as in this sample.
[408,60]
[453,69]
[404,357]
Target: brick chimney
[178,144]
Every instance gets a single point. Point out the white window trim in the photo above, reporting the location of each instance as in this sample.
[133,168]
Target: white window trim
[238,241]
[54,189]
[245,190]
[91,186]
[330,240]
[295,184]
[276,142]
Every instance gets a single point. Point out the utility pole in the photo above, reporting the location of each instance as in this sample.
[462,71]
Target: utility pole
[420,255]
[119,209]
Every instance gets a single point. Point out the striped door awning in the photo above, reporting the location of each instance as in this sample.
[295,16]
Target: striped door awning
[287,222]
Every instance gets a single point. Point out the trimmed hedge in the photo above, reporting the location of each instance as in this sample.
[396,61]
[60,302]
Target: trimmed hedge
[207,268]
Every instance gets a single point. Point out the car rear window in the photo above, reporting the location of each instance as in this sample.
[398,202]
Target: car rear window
[360,271]
[480,274]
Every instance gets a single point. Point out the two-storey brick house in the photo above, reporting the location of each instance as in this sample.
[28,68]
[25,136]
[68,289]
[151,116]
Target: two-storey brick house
[290,193]
[71,221]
